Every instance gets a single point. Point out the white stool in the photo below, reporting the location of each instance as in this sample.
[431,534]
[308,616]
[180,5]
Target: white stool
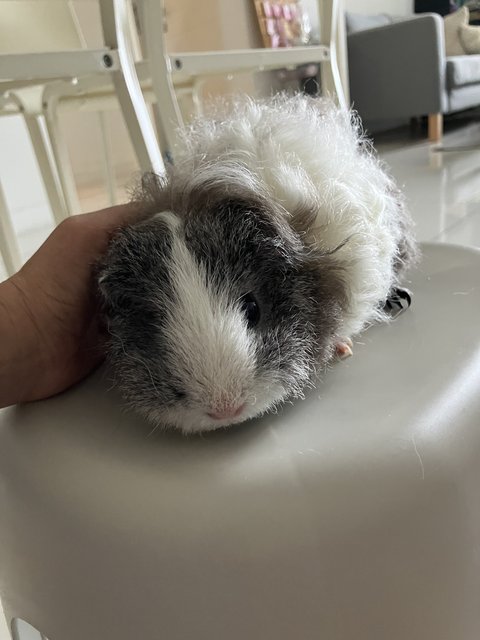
[353,515]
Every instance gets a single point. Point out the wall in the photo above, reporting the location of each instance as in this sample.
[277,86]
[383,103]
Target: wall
[395,7]
[219,25]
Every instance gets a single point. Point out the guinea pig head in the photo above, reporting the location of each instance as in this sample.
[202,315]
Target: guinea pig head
[217,311]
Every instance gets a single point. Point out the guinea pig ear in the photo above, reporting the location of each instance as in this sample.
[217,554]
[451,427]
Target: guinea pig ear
[136,256]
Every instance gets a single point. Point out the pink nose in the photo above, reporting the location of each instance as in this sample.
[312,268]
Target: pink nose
[227,412]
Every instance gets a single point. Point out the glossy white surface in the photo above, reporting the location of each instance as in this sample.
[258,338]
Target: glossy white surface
[443,192]
[352,515]
[442,188]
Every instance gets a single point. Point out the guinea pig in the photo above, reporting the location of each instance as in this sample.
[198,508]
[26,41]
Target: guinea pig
[274,238]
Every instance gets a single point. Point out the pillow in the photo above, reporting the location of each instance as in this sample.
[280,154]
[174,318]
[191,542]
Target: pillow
[470,38]
[452,24]
[359,22]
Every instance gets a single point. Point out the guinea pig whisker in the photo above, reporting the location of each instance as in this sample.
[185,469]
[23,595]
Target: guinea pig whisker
[340,246]
[155,428]
[136,358]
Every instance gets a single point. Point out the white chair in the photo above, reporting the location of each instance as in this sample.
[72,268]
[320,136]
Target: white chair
[351,515]
[42,56]
[29,25]
[38,83]
[9,249]
[171,74]
[167,68]
[164,76]
[26,101]
[34,27]
[47,47]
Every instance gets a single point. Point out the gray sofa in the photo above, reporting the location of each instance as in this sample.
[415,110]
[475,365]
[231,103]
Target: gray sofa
[398,69]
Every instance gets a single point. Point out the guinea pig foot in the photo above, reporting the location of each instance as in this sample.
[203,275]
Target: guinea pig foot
[398,301]
[343,348]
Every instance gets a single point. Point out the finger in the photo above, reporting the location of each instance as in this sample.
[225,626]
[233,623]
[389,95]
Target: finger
[112,218]
[91,232]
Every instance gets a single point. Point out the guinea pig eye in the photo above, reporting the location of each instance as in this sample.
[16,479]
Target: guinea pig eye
[251,309]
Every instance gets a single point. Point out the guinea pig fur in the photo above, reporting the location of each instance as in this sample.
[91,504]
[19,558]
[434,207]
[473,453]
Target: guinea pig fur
[274,237]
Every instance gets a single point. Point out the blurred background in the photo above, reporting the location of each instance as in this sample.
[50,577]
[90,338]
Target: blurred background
[397,66]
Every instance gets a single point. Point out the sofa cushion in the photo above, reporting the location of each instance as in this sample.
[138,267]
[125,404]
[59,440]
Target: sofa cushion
[470,37]
[462,70]
[359,22]
[452,24]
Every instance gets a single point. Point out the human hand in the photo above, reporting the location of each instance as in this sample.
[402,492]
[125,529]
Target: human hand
[50,336]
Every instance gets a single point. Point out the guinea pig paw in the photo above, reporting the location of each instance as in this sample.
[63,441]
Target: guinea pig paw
[344,348]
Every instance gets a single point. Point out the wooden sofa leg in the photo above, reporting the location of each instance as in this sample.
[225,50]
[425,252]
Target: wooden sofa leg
[435,127]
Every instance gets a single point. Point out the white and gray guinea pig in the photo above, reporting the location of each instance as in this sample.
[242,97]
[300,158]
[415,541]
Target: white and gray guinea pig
[274,238]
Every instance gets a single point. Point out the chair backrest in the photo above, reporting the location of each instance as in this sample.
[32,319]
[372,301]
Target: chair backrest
[31,26]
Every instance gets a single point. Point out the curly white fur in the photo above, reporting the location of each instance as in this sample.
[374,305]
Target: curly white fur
[281,200]
[304,153]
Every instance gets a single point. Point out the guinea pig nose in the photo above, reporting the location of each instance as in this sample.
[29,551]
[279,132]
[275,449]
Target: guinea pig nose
[227,412]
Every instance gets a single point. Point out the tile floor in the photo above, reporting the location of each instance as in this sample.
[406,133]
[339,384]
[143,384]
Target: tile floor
[442,191]
[442,188]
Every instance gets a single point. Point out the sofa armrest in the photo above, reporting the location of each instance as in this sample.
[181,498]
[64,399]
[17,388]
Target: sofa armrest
[398,70]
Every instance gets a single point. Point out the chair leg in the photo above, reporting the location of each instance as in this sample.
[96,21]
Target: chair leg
[47,168]
[107,159]
[167,111]
[9,249]
[435,127]
[168,116]
[196,99]
[21,630]
[330,34]
[62,159]
[127,87]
